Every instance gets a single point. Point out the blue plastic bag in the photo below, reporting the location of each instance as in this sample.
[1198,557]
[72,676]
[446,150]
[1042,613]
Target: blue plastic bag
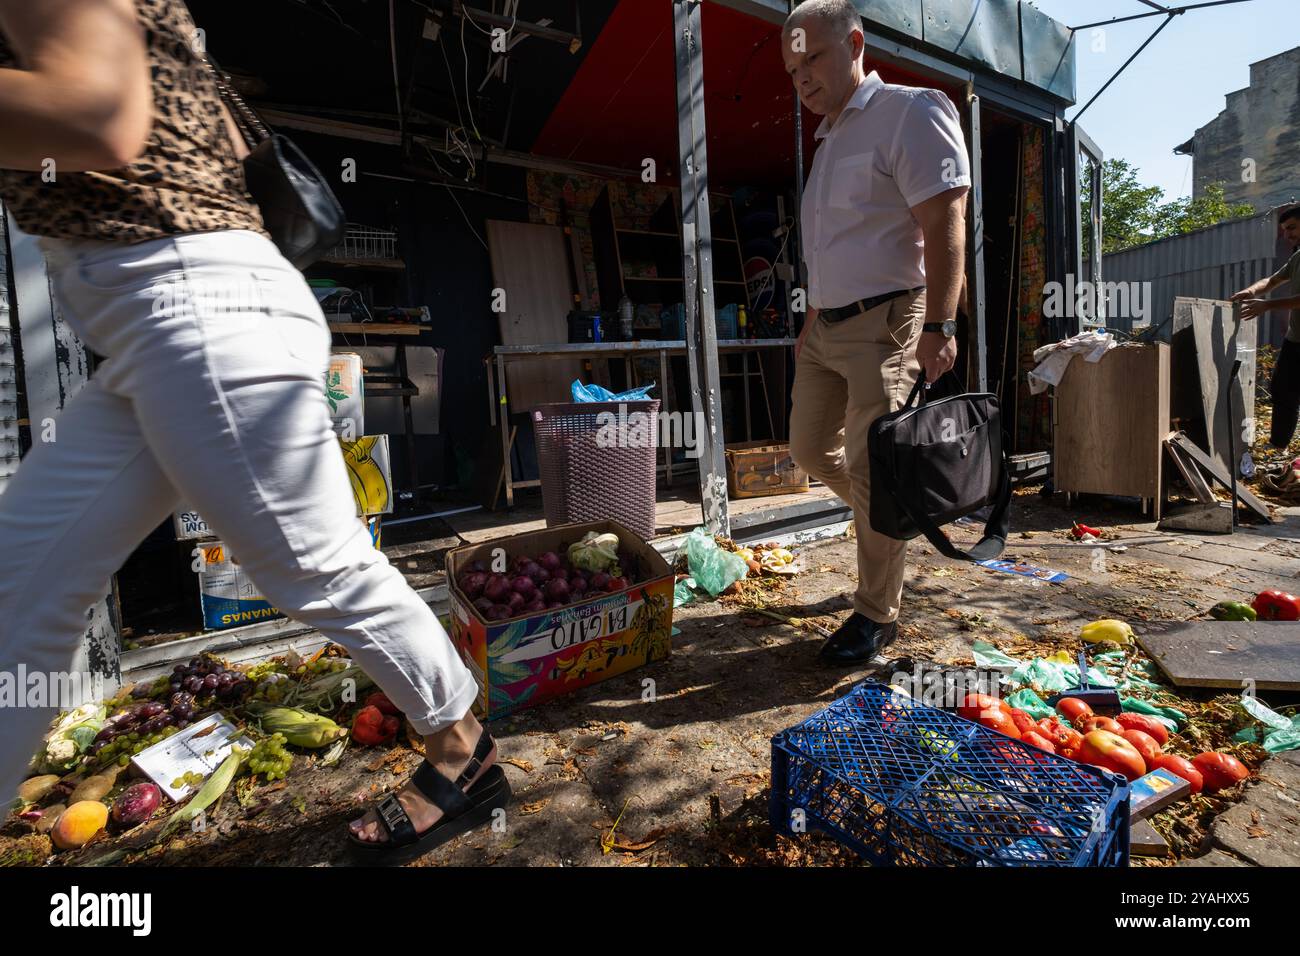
[597,393]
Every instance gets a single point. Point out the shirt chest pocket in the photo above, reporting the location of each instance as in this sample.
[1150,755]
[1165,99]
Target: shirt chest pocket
[851,179]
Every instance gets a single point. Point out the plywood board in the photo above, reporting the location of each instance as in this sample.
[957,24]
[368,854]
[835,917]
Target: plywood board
[1231,654]
[529,266]
[1222,338]
[1112,418]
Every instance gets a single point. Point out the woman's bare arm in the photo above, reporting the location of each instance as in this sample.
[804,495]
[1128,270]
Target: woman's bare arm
[81,96]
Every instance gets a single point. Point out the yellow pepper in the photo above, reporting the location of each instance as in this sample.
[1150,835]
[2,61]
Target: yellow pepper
[1107,629]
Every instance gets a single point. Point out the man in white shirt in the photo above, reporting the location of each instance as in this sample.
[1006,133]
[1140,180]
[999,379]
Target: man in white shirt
[883,225]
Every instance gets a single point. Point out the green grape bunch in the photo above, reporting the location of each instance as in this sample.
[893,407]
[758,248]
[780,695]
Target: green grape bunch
[270,758]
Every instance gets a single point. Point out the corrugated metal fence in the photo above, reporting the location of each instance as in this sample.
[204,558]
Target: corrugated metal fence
[1210,263]
[9,441]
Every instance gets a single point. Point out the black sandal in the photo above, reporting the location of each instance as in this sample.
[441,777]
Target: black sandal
[462,810]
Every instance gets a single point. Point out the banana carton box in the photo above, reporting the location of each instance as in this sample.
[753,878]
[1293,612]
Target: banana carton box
[228,596]
[531,657]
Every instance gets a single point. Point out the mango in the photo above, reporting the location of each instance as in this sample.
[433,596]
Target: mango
[79,824]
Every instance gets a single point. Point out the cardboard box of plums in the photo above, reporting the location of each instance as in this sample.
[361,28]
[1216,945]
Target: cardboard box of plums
[532,626]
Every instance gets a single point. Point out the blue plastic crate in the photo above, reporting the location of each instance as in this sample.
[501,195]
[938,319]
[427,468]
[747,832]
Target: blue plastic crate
[904,784]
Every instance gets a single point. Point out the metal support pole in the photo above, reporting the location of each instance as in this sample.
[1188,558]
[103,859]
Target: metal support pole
[975,298]
[697,265]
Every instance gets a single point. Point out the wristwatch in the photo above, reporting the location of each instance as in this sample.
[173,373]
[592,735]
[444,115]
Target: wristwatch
[948,328]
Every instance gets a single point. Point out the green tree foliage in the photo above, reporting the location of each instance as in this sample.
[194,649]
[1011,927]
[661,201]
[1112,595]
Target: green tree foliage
[1133,213]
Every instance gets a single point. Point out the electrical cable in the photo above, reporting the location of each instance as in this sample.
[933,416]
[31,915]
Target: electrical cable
[392,52]
[469,107]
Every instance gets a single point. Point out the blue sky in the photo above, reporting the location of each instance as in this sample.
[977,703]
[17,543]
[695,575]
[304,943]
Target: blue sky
[1177,84]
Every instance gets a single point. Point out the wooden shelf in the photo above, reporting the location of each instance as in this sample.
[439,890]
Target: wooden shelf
[375,328]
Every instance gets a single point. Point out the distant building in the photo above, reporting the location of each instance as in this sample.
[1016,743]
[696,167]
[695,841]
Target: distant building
[1260,123]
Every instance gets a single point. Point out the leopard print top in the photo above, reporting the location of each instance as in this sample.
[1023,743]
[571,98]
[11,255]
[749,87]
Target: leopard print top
[187,179]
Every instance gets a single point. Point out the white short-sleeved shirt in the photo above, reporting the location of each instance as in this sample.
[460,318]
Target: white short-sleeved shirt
[891,148]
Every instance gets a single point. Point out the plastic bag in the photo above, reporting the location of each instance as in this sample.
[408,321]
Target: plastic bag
[683,592]
[1047,675]
[1283,733]
[1171,717]
[596,393]
[1030,703]
[986,655]
[712,568]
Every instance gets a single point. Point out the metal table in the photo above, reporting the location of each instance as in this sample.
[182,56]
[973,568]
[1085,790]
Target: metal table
[503,354]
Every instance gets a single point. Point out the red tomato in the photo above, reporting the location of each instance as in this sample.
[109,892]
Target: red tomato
[977,706]
[1219,770]
[1097,722]
[1069,753]
[1144,744]
[1112,752]
[1061,734]
[1073,709]
[1181,767]
[1024,722]
[1038,740]
[1148,725]
[1000,722]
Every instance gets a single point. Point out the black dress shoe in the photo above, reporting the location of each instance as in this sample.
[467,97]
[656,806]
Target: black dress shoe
[857,641]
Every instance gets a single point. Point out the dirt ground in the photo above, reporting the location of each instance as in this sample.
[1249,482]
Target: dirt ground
[670,764]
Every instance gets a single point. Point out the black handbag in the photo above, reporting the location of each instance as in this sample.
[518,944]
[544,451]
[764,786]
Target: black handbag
[934,462]
[298,207]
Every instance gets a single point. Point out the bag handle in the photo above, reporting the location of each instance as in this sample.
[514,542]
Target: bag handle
[922,387]
[996,527]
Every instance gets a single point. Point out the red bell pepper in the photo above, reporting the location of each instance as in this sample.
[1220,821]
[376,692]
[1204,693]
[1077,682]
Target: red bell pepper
[370,727]
[1276,606]
[1079,530]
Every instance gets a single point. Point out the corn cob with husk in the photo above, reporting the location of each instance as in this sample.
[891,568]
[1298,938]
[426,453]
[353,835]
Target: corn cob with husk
[300,728]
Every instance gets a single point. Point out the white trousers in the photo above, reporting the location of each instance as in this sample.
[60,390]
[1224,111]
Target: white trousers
[212,394]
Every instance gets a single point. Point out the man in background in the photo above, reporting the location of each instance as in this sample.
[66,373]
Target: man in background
[1285,385]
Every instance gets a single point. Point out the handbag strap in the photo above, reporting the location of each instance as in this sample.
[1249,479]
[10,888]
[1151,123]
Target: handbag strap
[250,124]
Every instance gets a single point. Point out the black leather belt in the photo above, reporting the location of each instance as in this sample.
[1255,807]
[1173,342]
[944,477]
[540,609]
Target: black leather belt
[862,305]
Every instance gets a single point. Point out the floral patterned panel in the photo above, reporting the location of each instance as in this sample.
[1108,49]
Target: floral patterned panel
[1032,431]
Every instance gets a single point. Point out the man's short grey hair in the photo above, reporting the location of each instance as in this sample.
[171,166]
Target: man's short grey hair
[840,15]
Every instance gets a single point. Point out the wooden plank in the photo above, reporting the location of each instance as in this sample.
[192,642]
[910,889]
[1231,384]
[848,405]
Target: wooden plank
[1213,469]
[1112,418]
[1259,655]
[376,328]
[1191,474]
[528,264]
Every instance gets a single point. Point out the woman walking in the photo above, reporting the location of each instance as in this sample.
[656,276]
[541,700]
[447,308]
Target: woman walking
[118,153]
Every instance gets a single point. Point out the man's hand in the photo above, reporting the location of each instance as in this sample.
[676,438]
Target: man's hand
[937,353]
[1252,308]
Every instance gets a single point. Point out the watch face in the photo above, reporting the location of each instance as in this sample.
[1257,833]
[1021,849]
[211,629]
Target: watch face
[950,328]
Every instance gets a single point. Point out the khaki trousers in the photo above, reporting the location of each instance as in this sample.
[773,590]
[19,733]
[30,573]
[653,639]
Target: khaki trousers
[849,374]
